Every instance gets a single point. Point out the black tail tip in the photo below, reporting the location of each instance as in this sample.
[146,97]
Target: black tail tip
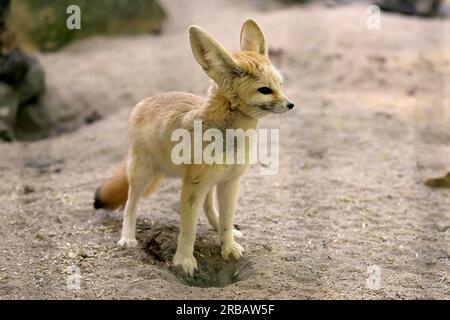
[98,203]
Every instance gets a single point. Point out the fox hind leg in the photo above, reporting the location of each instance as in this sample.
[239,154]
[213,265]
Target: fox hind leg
[211,213]
[210,209]
[140,177]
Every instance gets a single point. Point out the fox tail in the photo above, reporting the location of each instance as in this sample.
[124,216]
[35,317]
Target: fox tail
[113,193]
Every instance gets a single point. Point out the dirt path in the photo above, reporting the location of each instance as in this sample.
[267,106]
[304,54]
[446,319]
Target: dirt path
[372,123]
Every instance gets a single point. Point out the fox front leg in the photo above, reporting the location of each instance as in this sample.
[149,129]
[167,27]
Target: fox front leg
[227,194]
[192,198]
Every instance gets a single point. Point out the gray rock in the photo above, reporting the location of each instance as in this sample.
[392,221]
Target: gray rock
[412,7]
[22,83]
[21,114]
[9,103]
[41,23]
[32,122]
[33,84]
[13,67]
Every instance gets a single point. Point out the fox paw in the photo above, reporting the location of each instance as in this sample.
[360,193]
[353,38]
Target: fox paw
[127,243]
[187,263]
[235,250]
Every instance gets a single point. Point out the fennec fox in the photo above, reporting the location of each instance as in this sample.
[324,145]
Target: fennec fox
[245,88]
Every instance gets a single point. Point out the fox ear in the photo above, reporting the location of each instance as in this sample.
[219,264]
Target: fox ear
[215,60]
[252,37]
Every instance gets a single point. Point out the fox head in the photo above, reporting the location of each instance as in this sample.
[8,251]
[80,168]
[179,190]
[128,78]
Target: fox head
[246,78]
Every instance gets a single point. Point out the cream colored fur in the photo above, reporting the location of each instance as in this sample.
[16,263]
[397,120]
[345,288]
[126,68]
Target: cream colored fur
[233,101]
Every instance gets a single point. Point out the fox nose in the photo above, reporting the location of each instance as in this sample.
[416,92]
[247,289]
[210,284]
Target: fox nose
[290,105]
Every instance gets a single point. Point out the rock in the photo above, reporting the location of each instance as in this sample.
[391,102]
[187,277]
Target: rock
[41,24]
[33,84]
[21,114]
[412,7]
[13,67]
[9,103]
[21,85]
[32,123]
[443,182]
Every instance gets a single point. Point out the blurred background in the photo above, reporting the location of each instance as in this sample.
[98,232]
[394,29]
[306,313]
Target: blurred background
[34,31]
[371,85]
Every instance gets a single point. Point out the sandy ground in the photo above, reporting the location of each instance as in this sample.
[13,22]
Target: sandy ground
[372,123]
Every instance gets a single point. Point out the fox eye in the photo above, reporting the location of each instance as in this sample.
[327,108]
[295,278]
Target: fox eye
[265,90]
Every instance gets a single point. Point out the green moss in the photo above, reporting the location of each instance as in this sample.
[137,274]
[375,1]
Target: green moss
[41,24]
